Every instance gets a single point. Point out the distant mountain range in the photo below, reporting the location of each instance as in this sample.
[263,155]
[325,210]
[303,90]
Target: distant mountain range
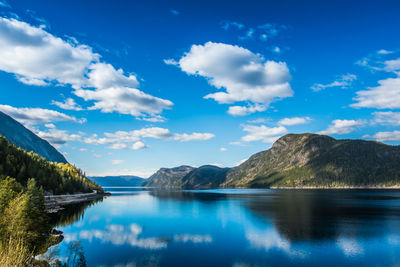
[297,161]
[20,136]
[126,180]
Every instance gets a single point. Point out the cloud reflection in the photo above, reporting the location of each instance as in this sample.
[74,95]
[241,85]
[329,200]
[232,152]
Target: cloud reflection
[185,238]
[120,235]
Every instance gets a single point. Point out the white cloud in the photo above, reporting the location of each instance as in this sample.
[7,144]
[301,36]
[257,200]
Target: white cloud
[387,118]
[243,110]
[121,139]
[68,104]
[97,155]
[135,146]
[385,136]
[125,101]
[343,126]
[246,77]
[263,133]
[223,149]
[294,121]
[50,125]
[58,137]
[385,95]
[117,161]
[84,149]
[33,116]
[193,137]
[384,52]
[37,57]
[343,81]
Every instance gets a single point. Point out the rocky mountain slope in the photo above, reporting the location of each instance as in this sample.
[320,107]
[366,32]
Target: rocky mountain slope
[207,176]
[20,136]
[311,160]
[168,177]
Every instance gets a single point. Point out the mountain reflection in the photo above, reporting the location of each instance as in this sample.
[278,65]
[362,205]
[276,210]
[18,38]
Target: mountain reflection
[321,215]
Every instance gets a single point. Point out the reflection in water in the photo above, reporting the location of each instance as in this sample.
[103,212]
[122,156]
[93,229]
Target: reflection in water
[239,228]
[320,215]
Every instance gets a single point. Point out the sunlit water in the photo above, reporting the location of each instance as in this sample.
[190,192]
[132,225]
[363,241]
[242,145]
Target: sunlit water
[239,227]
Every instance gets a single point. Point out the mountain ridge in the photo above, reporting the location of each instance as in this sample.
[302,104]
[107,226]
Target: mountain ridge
[22,137]
[303,161]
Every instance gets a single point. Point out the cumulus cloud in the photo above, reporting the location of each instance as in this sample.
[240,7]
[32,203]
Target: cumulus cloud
[385,95]
[294,121]
[223,149]
[58,137]
[263,133]
[242,75]
[343,126]
[133,139]
[385,136]
[343,81]
[68,104]
[37,57]
[34,116]
[125,101]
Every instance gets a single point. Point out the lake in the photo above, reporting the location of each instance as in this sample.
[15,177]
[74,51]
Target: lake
[237,227]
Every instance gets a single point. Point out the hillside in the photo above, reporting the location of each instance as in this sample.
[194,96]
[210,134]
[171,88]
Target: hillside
[17,134]
[54,178]
[207,176]
[311,160]
[124,180]
[168,177]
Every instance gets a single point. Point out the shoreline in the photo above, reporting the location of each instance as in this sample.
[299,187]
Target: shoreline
[336,188]
[55,203]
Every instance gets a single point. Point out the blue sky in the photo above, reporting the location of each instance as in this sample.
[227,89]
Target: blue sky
[128,87]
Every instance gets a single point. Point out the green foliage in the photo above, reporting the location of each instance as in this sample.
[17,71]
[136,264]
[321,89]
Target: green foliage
[310,160]
[55,178]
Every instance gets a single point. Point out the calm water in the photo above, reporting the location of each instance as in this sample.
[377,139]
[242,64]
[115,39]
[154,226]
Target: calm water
[139,227]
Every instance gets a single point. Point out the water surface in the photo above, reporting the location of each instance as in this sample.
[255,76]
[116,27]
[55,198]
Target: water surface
[238,227]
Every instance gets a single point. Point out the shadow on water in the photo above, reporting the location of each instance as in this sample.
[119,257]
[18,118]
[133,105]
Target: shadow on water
[71,213]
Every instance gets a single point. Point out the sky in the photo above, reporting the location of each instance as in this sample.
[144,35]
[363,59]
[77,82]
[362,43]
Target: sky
[128,87]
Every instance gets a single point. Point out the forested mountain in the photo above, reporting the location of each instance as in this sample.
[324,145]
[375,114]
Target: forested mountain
[17,134]
[300,160]
[168,177]
[207,176]
[123,180]
[55,178]
[311,160]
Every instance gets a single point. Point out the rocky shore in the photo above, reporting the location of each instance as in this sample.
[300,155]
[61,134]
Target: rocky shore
[55,203]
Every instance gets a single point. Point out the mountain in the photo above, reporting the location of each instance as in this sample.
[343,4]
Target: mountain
[207,176]
[20,136]
[54,178]
[296,161]
[168,177]
[124,180]
[311,160]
